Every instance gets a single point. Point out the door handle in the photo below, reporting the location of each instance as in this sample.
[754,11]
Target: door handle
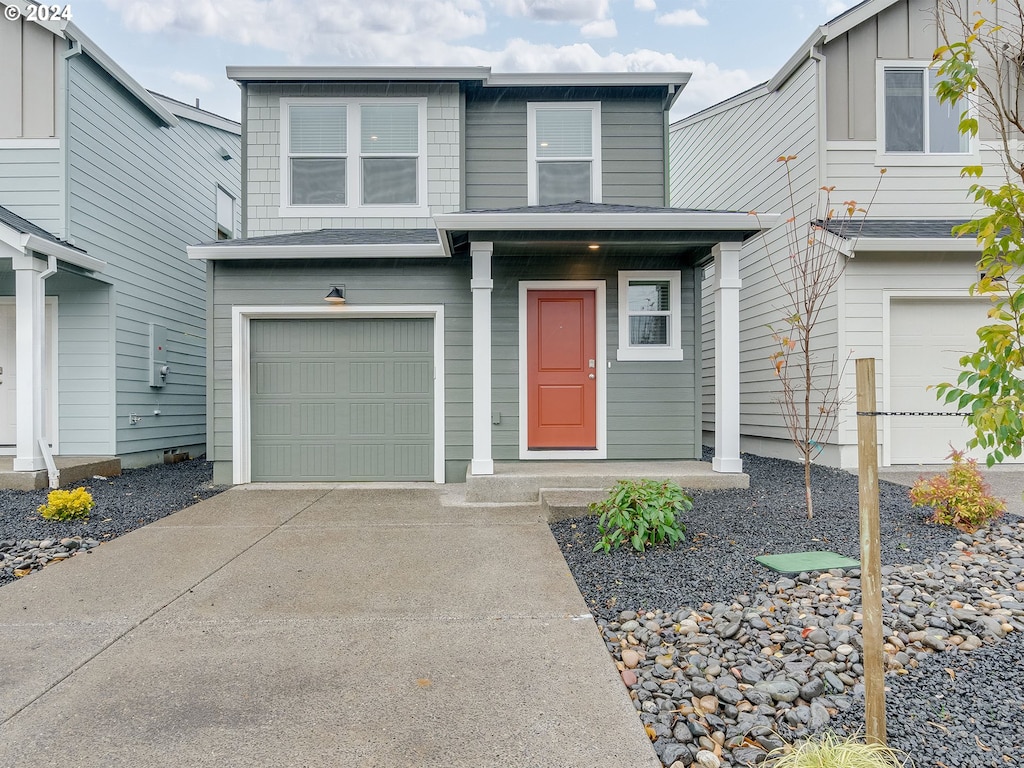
[592,376]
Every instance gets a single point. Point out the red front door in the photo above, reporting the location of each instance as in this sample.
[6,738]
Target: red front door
[561,358]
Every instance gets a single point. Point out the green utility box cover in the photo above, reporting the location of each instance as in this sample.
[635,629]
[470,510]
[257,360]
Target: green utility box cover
[800,562]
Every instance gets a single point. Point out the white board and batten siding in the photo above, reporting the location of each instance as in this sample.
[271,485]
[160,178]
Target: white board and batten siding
[138,194]
[263,159]
[31,183]
[726,159]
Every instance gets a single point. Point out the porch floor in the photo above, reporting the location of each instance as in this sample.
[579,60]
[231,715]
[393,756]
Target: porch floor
[73,469]
[565,488]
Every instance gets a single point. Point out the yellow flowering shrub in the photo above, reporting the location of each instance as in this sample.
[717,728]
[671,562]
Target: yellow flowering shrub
[67,505]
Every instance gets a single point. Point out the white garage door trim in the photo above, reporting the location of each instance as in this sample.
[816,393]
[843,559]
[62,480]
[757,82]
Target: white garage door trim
[887,298]
[241,411]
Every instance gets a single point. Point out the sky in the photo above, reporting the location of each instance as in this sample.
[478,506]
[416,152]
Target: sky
[181,47]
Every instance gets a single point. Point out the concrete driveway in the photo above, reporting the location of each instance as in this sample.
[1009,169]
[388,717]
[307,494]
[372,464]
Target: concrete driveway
[314,627]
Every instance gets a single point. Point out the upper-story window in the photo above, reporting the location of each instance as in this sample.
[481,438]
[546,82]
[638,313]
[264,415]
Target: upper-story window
[353,157]
[225,214]
[912,119]
[564,140]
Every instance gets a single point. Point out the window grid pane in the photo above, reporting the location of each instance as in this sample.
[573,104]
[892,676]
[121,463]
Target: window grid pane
[944,123]
[648,330]
[389,180]
[648,296]
[318,181]
[388,129]
[564,132]
[318,129]
[563,182]
[904,110]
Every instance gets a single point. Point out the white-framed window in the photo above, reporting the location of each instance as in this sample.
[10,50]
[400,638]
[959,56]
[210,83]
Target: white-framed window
[911,121]
[353,157]
[564,152]
[225,214]
[650,316]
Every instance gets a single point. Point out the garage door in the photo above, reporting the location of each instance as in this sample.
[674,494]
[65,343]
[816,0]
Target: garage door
[927,338]
[348,399]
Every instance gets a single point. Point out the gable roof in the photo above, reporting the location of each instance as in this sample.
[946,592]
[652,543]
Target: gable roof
[835,27]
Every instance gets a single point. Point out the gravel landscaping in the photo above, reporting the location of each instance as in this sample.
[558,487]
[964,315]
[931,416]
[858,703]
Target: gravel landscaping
[725,660]
[123,503]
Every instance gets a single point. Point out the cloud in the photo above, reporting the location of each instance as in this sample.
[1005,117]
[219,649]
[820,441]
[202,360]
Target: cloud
[835,7]
[604,28]
[555,10]
[688,18]
[645,5]
[193,81]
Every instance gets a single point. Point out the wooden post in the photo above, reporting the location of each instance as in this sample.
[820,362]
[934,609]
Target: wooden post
[870,555]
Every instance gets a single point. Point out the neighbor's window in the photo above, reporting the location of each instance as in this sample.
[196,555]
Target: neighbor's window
[361,154]
[650,316]
[914,120]
[564,152]
[225,214]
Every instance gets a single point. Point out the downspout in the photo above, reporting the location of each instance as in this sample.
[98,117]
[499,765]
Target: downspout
[53,474]
[820,108]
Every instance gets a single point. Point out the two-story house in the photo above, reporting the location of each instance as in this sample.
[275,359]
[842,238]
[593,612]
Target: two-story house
[102,316]
[504,279]
[857,97]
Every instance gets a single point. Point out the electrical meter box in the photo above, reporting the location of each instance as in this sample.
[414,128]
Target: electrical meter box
[158,367]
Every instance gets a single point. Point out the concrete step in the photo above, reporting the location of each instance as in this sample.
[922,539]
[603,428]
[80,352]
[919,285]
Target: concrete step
[559,504]
[73,470]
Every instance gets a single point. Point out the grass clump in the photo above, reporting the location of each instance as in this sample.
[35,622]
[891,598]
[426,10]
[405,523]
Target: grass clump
[642,513]
[831,751]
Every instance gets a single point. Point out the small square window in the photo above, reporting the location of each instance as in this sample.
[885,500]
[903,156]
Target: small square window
[915,122]
[649,316]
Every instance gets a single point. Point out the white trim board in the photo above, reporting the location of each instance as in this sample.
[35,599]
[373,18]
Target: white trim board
[241,386]
[52,342]
[599,288]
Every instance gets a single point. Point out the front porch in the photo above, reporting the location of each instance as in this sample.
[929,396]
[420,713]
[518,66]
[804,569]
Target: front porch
[72,469]
[565,488]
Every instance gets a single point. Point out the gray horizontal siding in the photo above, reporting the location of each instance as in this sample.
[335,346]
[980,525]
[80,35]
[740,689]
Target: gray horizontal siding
[139,194]
[650,404]
[30,185]
[632,151]
[367,283]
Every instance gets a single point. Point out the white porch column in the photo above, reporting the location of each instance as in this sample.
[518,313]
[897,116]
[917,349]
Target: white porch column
[482,285]
[727,357]
[29,319]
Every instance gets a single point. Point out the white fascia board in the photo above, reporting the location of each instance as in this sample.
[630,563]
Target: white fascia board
[592,79]
[21,243]
[62,252]
[599,222]
[912,244]
[797,59]
[855,17]
[254,74]
[113,69]
[178,109]
[290,252]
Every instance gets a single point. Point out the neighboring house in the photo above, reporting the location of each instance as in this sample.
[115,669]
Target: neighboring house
[856,98]
[485,231]
[102,186]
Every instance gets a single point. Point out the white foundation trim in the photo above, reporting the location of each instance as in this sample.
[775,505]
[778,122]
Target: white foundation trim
[599,288]
[241,386]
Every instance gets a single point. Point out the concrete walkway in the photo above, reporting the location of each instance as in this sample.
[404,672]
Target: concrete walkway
[314,627]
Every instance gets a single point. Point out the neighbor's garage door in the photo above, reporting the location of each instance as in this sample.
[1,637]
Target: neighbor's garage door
[927,338]
[342,399]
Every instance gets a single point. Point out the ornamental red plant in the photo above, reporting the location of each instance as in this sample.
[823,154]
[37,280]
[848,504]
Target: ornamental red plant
[960,498]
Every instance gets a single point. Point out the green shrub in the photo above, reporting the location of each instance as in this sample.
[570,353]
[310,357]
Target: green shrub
[831,751]
[641,512]
[67,505]
[960,498]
